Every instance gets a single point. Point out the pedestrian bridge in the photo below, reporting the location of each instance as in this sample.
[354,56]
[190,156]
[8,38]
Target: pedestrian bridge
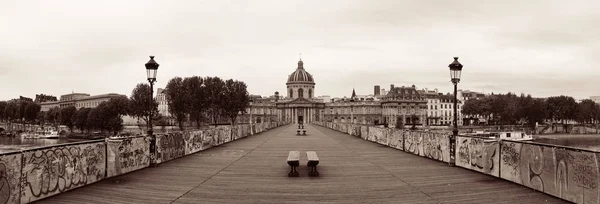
[254,170]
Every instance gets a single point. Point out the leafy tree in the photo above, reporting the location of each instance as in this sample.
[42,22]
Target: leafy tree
[119,105]
[176,97]
[214,95]
[52,116]
[80,118]
[66,116]
[562,107]
[3,105]
[196,102]
[472,107]
[11,110]
[235,99]
[587,110]
[139,102]
[22,105]
[94,119]
[31,111]
[41,118]
[537,112]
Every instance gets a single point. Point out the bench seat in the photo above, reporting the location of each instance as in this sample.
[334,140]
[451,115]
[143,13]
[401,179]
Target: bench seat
[313,161]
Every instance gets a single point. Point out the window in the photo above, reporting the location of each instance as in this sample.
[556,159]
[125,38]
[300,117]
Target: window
[291,93]
[310,93]
[300,93]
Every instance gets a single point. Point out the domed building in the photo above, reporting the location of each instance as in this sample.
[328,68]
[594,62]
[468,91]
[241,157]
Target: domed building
[299,105]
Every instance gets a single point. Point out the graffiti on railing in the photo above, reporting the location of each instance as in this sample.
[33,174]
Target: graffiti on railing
[58,169]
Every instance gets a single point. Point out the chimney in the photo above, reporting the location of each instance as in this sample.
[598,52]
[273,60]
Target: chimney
[391,87]
[376,90]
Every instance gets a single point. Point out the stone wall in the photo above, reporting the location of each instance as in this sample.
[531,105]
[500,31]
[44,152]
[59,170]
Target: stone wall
[50,171]
[565,172]
[34,174]
[432,145]
[127,155]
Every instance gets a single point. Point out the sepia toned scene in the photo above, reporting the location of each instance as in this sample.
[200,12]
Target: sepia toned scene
[264,101]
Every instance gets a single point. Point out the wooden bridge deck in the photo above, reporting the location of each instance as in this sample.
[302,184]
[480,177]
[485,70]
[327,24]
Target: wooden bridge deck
[254,170]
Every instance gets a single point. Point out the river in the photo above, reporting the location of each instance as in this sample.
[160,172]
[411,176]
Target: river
[584,141]
[9,144]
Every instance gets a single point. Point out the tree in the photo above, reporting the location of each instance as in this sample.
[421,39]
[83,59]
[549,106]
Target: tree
[537,112]
[66,116]
[3,105]
[20,114]
[52,116]
[139,102]
[94,119]
[41,118]
[176,98]
[214,95]
[472,107]
[235,99]
[586,111]
[196,102]
[119,105]
[80,118]
[11,110]
[562,107]
[31,111]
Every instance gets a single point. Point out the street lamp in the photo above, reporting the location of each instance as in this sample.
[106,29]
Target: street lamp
[455,69]
[151,69]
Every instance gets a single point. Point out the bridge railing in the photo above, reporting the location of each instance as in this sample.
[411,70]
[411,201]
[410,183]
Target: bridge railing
[37,173]
[569,173]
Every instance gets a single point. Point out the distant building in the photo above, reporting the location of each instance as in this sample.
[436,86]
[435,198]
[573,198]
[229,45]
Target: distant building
[163,105]
[22,98]
[402,106]
[39,98]
[466,95]
[376,90]
[78,100]
[94,101]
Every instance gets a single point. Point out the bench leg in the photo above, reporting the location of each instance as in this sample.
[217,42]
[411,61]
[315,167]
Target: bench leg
[313,171]
[293,172]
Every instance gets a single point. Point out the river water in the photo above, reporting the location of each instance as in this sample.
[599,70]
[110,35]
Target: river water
[9,144]
[584,141]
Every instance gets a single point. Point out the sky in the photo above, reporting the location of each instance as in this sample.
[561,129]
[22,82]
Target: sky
[540,47]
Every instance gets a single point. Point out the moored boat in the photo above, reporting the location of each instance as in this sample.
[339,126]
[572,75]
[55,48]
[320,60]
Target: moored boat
[510,135]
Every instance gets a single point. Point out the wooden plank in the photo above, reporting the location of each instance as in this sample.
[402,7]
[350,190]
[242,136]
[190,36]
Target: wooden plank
[353,171]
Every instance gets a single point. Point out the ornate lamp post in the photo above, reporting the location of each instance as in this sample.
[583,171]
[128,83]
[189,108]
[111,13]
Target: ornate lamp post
[455,69]
[151,69]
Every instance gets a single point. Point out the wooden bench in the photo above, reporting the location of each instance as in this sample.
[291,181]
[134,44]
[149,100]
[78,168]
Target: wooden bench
[294,161]
[313,161]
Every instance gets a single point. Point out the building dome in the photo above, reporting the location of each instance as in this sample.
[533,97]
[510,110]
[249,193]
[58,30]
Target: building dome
[300,75]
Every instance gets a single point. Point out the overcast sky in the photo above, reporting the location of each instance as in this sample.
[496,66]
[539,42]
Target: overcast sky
[541,47]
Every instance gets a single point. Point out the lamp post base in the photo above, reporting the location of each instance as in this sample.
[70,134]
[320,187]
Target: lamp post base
[152,148]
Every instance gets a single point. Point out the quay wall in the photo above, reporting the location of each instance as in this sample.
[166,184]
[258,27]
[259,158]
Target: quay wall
[33,174]
[568,173]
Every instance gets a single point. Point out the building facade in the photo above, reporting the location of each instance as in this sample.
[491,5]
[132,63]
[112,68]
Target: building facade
[300,106]
[163,104]
[78,100]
